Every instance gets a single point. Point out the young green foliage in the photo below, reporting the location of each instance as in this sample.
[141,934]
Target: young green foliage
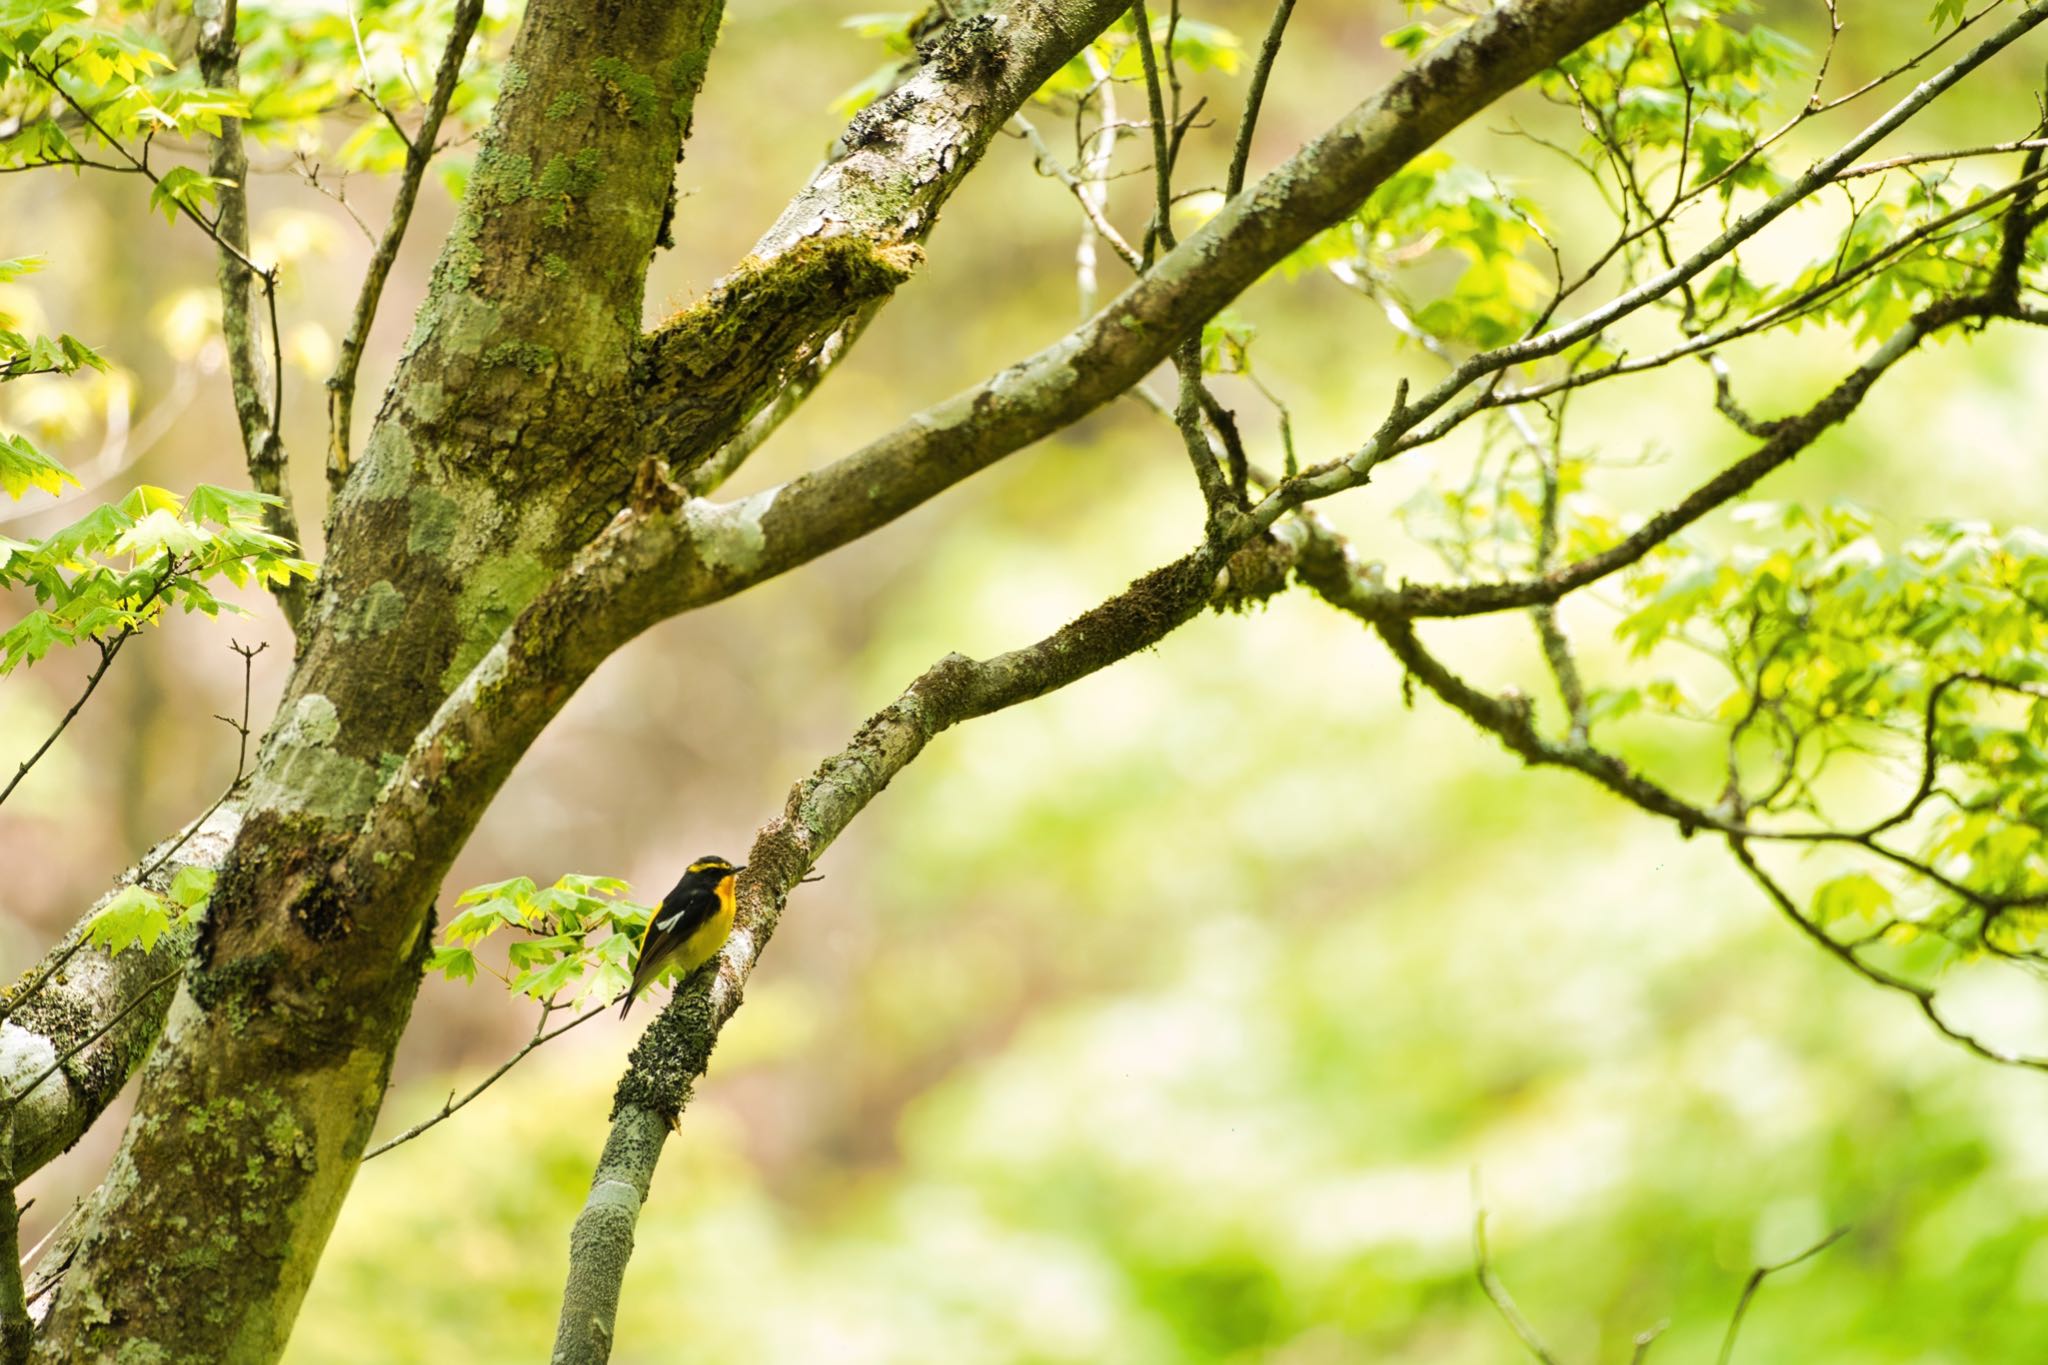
[59,59]
[139,916]
[580,935]
[1845,659]
[300,63]
[120,566]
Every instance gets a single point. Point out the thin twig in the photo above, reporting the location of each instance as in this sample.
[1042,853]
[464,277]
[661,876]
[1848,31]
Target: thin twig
[2025,144]
[113,1022]
[241,728]
[1255,96]
[419,151]
[1048,164]
[1495,1291]
[56,964]
[258,419]
[541,1034]
[1755,1282]
[108,650]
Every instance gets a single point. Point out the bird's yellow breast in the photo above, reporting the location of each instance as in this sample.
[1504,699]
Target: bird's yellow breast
[710,936]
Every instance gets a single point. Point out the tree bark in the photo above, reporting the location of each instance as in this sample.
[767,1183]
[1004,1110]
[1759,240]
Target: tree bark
[97,1014]
[484,471]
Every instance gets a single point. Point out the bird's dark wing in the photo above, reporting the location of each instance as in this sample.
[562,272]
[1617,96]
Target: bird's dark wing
[683,912]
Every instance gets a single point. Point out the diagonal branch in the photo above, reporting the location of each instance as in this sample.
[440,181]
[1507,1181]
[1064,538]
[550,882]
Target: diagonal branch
[1755,1282]
[710,551]
[80,1024]
[1456,392]
[708,371]
[676,1048]
[542,1034]
[1788,439]
[664,554]
[1255,96]
[1325,565]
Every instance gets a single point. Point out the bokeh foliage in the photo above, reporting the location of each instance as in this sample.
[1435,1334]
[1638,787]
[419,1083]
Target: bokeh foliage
[1186,1002]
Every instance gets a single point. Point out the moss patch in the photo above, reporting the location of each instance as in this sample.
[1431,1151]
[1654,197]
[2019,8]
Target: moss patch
[434,522]
[564,180]
[624,91]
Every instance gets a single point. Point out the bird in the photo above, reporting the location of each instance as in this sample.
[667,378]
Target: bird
[689,927]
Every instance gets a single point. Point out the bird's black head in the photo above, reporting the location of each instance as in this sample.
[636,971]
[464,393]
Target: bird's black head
[711,867]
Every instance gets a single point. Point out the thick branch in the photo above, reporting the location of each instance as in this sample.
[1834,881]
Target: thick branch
[17,1329]
[711,551]
[676,1048]
[708,370]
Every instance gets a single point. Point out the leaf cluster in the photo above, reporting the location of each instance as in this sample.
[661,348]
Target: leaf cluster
[301,65]
[1842,654]
[120,566]
[73,80]
[137,916]
[580,935]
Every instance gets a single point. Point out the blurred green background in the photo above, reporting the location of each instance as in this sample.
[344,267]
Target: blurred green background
[1166,1019]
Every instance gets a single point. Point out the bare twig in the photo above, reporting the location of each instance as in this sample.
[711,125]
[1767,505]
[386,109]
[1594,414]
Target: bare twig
[1091,205]
[112,1022]
[1755,1282]
[1496,1292]
[541,1034]
[419,151]
[241,728]
[1255,97]
[2025,144]
[1217,492]
[228,166]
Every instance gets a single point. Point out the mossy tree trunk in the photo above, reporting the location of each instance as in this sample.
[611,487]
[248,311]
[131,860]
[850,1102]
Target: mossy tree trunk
[487,466]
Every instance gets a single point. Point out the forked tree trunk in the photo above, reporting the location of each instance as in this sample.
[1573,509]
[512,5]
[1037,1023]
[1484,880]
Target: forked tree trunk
[489,463]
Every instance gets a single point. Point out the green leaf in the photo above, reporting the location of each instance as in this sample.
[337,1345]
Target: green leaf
[516,888]
[23,467]
[227,506]
[182,188]
[162,532]
[135,915]
[92,533]
[191,887]
[454,963]
[31,638]
[1858,896]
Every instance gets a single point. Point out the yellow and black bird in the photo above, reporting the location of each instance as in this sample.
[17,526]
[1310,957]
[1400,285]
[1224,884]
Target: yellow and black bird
[689,927]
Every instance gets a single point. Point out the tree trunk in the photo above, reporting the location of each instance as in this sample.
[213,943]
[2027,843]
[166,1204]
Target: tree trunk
[488,465]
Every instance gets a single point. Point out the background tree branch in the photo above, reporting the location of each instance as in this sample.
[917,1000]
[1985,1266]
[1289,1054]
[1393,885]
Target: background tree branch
[676,1048]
